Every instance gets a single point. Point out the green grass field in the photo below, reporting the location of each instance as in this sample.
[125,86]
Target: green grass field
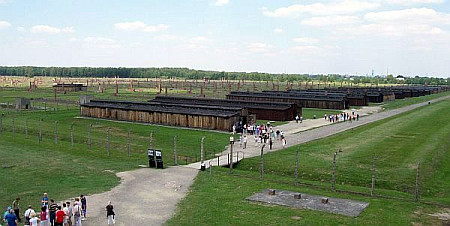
[397,143]
[29,168]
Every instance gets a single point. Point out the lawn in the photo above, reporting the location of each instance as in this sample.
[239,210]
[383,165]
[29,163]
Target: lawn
[220,200]
[29,168]
[396,143]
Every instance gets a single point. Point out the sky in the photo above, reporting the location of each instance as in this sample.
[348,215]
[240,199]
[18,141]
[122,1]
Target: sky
[408,37]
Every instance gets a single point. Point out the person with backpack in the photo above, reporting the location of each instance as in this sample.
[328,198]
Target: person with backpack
[28,214]
[110,215]
[76,212]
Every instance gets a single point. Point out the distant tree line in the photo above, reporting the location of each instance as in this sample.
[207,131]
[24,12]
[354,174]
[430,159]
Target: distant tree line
[122,72]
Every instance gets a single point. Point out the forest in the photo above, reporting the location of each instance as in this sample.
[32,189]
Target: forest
[123,72]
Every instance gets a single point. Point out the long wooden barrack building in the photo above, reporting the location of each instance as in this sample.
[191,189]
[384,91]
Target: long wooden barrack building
[303,100]
[71,87]
[263,110]
[183,115]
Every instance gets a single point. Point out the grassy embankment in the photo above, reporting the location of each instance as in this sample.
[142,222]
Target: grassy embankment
[397,143]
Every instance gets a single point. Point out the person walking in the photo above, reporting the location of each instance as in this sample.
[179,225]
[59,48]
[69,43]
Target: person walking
[77,213]
[33,220]
[44,200]
[11,219]
[296,118]
[52,211]
[16,208]
[70,214]
[43,216]
[83,206]
[110,215]
[270,143]
[28,214]
[59,217]
[66,214]
[245,142]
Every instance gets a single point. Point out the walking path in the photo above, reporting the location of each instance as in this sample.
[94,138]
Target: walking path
[149,196]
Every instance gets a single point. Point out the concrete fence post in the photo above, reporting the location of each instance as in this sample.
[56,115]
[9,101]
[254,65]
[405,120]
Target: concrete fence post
[296,165]
[55,132]
[175,154]
[40,131]
[151,140]
[333,179]
[202,151]
[13,127]
[262,161]
[71,133]
[108,145]
[1,122]
[372,191]
[129,143]
[89,140]
[26,128]
[417,190]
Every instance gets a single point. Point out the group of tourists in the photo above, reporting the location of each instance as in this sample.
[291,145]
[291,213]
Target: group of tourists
[263,134]
[52,214]
[344,116]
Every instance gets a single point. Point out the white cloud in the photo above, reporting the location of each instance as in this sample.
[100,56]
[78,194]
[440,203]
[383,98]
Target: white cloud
[413,15]
[68,30]
[4,25]
[306,48]
[101,42]
[140,26]
[51,30]
[198,42]
[278,30]
[413,2]
[20,29]
[167,37]
[306,40]
[330,20]
[221,2]
[340,7]
[259,47]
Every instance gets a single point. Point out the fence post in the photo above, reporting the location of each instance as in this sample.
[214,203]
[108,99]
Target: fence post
[417,191]
[128,143]
[262,161]
[13,127]
[202,151]
[151,140]
[89,141]
[56,132]
[40,131]
[1,122]
[231,158]
[71,134]
[26,128]
[296,165]
[107,142]
[372,192]
[175,154]
[333,179]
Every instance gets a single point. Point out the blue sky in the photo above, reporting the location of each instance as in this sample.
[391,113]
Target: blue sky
[410,37]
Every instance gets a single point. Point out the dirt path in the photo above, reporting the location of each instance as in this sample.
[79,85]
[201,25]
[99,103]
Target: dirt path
[144,197]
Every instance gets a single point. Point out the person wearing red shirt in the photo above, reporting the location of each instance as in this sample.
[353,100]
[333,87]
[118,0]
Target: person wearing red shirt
[59,219]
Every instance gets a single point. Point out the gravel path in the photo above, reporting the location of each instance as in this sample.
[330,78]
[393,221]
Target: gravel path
[144,197]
